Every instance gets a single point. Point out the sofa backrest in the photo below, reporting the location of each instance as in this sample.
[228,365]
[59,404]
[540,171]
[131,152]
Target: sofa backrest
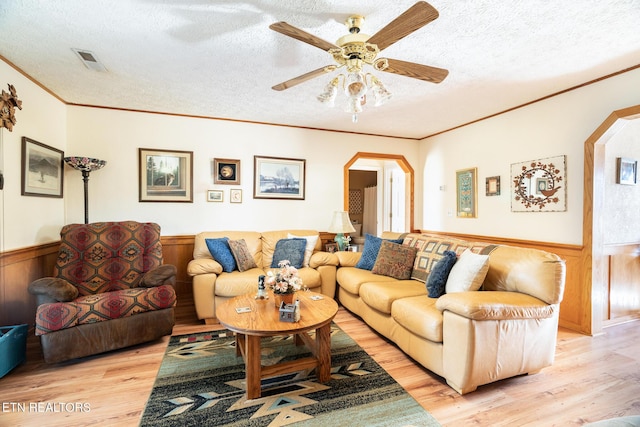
[252,238]
[107,256]
[530,271]
[270,238]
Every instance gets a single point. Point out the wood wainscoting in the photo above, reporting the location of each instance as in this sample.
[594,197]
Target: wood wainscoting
[19,267]
[623,293]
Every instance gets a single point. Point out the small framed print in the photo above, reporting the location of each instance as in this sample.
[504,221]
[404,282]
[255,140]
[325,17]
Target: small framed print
[42,173]
[235,195]
[627,171]
[467,193]
[331,247]
[226,171]
[215,196]
[493,186]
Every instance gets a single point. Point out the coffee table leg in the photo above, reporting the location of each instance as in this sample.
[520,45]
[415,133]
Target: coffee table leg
[252,366]
[323,346]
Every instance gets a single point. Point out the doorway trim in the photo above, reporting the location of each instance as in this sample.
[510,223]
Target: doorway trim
[399,159]
[593,257]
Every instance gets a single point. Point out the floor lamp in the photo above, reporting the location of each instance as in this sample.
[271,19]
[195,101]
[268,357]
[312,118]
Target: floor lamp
[86,165]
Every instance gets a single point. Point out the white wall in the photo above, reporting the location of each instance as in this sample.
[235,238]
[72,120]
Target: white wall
[552,127]
[115,136]
[28,220]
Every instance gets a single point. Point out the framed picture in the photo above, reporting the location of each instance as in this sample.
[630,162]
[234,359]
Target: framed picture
[467,193]
[165,176]
[493,186]
[331,247]
[235,195]
[42,173]
[215,196]
[278,178]
[627,171]
[226,171]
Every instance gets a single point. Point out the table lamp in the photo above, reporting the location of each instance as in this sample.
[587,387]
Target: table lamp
[341,224]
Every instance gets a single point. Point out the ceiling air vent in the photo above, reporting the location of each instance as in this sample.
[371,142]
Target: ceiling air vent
[89,60]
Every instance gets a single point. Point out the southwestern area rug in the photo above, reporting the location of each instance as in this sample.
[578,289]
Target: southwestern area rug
[201,383]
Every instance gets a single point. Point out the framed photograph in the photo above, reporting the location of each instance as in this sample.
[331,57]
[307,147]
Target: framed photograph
[215,196]
[226,171]
[42,173]
[627,171]
[493,186]
[467,193]
[165,175]
[278,178]
[235,195]
[331,247]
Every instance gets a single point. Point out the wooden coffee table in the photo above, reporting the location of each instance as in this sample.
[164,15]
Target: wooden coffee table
[263,321]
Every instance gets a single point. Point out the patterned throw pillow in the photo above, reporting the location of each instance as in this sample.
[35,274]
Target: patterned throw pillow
[370,251]
[437,280]
[468,273]
[311,244]
[289,249]
[395,260]
[241,254]
[221,252]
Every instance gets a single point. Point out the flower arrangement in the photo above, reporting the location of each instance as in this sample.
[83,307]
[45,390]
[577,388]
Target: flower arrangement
[286,280]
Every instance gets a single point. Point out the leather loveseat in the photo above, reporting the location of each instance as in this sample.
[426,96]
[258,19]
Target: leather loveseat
[506,328]
[212,285]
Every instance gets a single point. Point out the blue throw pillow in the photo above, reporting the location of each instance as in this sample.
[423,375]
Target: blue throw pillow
[437,281]
[221,252]
[370,251]
[289,249]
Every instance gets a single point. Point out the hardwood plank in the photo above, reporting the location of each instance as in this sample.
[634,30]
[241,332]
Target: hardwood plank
[592,378]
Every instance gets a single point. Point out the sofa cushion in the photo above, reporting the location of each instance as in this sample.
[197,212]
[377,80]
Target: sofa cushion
[308,251]
[221,252]
[237,283]
[468,272]
[381,295]
[370,251]
[241,254]
[420,316]
[394,260]
[437,281]
[291,250]
[351,278]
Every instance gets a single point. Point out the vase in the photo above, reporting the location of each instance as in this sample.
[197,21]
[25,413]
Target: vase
[278,299]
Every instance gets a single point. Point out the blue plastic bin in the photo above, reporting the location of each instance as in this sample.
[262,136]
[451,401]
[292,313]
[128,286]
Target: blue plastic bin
[13,347]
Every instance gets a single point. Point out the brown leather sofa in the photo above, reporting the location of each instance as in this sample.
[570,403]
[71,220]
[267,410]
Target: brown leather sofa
[212,285]
[507,328]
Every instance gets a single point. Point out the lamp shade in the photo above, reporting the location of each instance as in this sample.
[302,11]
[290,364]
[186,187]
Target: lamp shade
[341,223]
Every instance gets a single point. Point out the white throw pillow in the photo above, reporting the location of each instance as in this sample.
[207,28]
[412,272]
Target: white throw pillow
[308,251]
[468,272]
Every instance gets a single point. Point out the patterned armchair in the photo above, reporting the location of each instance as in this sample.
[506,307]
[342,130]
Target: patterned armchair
[109,290]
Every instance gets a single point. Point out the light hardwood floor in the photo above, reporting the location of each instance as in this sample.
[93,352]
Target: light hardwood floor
[593,378]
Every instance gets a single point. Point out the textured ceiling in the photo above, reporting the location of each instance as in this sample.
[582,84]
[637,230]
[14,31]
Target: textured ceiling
[220,59]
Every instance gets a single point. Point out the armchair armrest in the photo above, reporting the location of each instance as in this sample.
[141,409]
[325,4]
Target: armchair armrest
[495,305]
[322,258]
[348,259]
[164,274]
[203,266]
[52,289]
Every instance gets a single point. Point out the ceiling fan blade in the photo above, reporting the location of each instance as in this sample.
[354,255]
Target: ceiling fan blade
[417,16]
[303,78]
[416,71]
[298,34]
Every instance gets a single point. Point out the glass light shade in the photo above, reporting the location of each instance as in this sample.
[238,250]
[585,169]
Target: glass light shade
[328,97]
[355,85]
[87,164]
[380,93]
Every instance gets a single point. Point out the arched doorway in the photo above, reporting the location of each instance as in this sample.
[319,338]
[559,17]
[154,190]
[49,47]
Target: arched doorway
[594,258]
[404,166]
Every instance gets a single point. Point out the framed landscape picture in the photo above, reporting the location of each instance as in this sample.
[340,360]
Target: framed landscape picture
[165,176]
[42,173]
[278,178]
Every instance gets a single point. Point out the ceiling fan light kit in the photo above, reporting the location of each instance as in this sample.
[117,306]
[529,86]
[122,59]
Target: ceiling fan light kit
[356,50]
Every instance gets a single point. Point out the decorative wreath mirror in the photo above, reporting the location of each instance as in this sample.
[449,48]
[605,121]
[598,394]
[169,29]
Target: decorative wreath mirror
[539,185]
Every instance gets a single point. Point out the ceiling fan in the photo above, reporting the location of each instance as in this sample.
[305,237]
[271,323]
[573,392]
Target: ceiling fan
[355,49]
